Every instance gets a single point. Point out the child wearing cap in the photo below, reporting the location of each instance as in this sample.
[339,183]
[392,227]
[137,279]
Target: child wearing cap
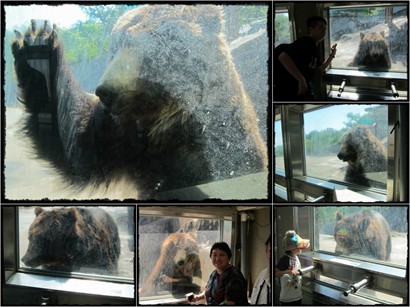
[288,268]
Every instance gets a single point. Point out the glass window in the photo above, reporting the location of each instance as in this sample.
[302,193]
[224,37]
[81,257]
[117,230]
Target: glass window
[283,34]
[178,262]
[91,240]
[370,38]
[279,160]
[347,143]
[95,150]
[370,233]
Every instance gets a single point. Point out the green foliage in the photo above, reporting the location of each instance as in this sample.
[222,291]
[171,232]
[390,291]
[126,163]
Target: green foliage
[327,141]
[282,29]
[323,142]
[105,14]
[84,41]
[88,40]
[279,151]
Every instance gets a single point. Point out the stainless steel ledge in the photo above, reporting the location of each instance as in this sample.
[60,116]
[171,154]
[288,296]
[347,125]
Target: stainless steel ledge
[91,287]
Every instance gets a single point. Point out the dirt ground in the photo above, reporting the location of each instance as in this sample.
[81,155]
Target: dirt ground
[120,216]
[399,247]
[330,167]
[27,177]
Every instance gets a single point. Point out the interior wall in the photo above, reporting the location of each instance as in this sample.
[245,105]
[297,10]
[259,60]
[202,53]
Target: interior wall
[259,231]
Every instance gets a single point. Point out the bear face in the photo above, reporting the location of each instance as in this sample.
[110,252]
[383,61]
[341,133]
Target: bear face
[373,52]
[365,233]
[177,267]
[166,114]
[364,153]
[72,238]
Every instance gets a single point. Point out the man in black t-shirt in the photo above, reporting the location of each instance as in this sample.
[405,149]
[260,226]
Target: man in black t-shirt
[295,64]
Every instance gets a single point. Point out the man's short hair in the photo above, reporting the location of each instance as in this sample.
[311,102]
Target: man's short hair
[313,21]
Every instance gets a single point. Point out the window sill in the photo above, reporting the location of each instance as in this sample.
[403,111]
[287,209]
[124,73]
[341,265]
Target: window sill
[80,286]
[340,192]
[385,270]
[367,74]
[253,186]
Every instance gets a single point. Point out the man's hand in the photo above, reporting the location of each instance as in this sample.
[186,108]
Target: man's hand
[334,50]
[302,86]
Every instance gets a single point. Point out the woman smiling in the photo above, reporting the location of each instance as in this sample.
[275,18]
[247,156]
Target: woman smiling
[226,285]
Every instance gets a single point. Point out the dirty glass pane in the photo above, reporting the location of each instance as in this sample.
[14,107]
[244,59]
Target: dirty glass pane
[178,262]
[91,240]
[370,38]
[282,28]
[347,143]
[279,160]
[161,120]
[371,233]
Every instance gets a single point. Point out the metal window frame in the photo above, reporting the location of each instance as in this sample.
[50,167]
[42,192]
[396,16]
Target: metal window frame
[299,186]
[73,288]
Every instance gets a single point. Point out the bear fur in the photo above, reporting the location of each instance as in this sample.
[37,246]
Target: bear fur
[70,239]
[373,52]
[177,266]
[365,233]
[170,110]
[364,153]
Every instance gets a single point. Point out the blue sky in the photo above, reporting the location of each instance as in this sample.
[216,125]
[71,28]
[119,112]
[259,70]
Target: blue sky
[62,15]
[332,117]
[328,117]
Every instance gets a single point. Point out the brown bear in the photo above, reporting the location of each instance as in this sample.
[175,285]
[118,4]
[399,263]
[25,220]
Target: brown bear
[364,153]
[170,110]
[73,239]
[373,52]
[365,233]
[177,266]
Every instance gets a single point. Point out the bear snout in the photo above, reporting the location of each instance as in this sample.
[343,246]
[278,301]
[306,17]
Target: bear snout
[106,95]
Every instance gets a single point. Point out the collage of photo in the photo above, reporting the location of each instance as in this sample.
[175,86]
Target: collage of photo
[154,152]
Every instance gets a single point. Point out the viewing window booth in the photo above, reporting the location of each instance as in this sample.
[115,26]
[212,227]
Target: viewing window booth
[308,139]
[370,78]
[25,285]
[331,272]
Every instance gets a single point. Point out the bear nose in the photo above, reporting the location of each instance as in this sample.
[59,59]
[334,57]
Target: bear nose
[180,262]
[105,93]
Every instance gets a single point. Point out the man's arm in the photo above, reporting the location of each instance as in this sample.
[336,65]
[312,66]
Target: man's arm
[290,66]
[329,59]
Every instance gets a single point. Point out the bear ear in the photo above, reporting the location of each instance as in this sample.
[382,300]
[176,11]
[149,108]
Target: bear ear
[364,223]
[75,213]
[338,216]
[361,35]
[38,210]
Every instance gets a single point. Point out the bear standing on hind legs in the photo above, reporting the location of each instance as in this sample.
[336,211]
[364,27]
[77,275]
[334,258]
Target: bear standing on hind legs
[170,110]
